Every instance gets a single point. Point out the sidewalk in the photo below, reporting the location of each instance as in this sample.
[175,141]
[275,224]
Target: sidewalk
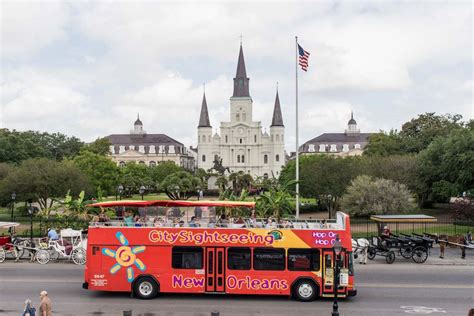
[452,256]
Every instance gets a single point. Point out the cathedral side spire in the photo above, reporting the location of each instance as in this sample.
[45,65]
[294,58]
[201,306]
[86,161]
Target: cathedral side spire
[241,82]
[204,117]
[277,119]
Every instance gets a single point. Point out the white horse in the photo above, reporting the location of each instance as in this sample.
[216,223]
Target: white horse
[359,248]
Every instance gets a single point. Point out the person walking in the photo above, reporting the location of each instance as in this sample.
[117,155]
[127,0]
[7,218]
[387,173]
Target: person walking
[29,310]
[45,305]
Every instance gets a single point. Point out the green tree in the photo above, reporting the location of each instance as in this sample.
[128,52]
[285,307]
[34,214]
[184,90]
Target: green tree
[240,181]
[133,176]
[18,146]
[276,201]
[415,135]
[159,172]
[100,146]
[324,177]
[418,133]
[45,181]
[366,196]
[399,168]
[179,185]
[446,167]
[382,144]
[102,172]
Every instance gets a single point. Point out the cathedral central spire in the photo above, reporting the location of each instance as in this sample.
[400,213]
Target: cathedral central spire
[241,82]
[277,119]
[204,117]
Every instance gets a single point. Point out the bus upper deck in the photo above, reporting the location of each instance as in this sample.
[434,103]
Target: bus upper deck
[204,214]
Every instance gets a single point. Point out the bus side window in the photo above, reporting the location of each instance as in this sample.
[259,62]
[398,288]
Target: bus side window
[269,259]
[187,258]
[328,261]
[299,259]
[303,259]
[238,258]
[316,260]
[351,263]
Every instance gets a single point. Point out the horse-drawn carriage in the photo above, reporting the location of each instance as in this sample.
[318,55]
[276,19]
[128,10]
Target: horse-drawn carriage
[416,247]
[6,240]
[70,245]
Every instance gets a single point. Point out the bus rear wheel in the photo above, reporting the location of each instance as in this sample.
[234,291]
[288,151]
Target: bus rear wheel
[145,288]
[305,291]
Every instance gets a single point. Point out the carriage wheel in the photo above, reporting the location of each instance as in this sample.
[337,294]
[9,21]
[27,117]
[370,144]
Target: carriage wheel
[53,254]
[420,254]
[79,256]
[390,257]
[42,256]
[371,253]
[2,255]
[406,252]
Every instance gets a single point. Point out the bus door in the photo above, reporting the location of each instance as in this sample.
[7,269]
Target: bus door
[328,272]
[215,267]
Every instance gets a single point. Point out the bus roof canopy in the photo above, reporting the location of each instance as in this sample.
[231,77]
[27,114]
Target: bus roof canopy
[173,203]
[416,218]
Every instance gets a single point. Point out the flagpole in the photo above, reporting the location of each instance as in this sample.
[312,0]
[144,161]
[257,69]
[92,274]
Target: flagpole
[297,154]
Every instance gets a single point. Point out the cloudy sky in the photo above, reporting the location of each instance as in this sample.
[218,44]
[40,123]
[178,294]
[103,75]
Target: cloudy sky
[87,68]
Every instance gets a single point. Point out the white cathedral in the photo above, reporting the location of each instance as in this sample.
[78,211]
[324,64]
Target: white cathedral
[241,144]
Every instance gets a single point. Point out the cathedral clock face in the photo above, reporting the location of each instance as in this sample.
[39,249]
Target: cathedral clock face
[240,130]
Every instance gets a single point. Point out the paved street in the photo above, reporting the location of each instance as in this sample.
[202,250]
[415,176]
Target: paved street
[383,290]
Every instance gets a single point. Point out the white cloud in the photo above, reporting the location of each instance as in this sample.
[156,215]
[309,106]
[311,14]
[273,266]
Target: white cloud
[26,27]
[120,58]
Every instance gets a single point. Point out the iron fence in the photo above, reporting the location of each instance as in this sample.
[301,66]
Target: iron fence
[364,228]
[361,228]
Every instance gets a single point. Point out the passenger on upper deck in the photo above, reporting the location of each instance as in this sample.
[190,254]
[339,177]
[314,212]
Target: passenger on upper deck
[159,222]
[271,223]
[197,212]
[193,222]
[223,221]
[128,219]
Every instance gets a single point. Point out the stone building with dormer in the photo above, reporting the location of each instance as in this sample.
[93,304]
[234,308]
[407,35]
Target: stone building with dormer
[241,143]
[148,149]
[350,143]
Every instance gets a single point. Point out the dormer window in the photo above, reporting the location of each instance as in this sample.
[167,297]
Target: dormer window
[322,148]
[333,148]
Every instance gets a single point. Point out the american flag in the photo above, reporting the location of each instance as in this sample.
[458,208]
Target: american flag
[303,58]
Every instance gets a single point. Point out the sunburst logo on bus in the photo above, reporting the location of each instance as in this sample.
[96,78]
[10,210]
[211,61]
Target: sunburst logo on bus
[125,256]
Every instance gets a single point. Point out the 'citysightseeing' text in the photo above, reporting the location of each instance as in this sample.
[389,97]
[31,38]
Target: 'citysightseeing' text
[199,238]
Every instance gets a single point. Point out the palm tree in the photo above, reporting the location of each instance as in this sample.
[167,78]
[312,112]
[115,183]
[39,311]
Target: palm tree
[276,201]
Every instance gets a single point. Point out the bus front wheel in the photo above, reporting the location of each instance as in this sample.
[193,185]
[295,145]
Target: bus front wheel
[145,288]
[305,290]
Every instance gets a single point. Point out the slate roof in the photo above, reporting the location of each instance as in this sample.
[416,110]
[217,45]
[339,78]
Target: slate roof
[340,138]
[277,119]
[204,117]
[139,139]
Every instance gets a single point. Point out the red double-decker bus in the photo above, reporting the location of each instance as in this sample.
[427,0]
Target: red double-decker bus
[183,247]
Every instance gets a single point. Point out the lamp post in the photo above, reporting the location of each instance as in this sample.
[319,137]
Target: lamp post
[13,204]
[337,247]
[142,190]
[120,191]
[30,211]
